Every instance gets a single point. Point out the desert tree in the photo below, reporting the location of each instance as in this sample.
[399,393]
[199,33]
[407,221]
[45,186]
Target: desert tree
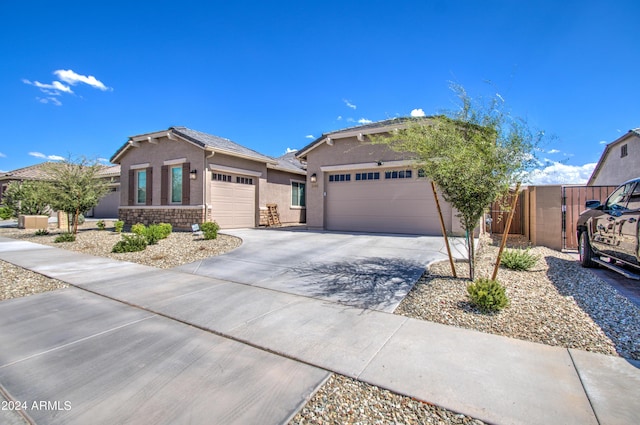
[76,185]
[473,153]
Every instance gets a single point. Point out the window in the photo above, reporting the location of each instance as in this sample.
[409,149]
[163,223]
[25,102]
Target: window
[618,199]
[402,174]
[298,194]
[141,186]
[244,180]
[623,151]
[634,199]
[221,177]
[340,178]
[368,176]
[176,184]
[421,173]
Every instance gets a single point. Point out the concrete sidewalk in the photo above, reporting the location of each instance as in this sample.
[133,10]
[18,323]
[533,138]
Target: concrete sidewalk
[493,378]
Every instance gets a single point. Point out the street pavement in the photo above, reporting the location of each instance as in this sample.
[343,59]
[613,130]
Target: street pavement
[134,344]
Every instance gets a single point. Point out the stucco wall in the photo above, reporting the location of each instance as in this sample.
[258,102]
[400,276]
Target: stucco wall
[155,154]
[351,151]
[616,169]
[278,191]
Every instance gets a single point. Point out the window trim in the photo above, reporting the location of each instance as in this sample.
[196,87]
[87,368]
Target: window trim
[624,150]
[170,194]
[298,182]
[137,188]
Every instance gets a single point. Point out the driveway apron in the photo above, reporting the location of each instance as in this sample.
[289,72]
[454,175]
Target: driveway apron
[372,271]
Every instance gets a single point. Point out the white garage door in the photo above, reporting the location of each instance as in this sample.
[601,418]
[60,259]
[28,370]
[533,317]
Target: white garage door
[233,204]
[383,201]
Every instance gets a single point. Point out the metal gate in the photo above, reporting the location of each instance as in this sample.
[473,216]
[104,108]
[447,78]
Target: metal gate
[573,200]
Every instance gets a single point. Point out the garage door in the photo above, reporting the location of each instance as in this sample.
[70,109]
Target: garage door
[233,204]
[383,201]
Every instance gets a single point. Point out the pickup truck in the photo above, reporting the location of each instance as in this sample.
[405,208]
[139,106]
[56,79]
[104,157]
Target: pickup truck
[610,230]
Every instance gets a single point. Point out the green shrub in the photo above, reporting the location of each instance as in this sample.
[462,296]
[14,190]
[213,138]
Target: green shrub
[153,233]
[118,226]
[130,243]
[488,295]
[42,232]
[518,259]
[166,229]
[100,224]
[5,213]
[65,237]
[138,228]
[210,229]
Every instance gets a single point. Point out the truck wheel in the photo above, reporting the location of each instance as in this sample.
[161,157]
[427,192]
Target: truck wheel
[586,253]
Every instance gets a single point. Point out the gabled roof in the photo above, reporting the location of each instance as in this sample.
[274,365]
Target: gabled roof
[360,130]
[32,172]
[205,141]
[607,150]
[289,162]
[109,171]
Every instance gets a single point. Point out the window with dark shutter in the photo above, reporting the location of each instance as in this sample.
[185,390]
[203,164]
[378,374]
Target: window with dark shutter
[164,185]
[186,186]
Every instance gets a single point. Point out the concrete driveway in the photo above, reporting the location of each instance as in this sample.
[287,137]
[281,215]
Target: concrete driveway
[365,270]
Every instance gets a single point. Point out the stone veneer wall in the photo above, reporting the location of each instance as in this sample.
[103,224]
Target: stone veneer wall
[179,218]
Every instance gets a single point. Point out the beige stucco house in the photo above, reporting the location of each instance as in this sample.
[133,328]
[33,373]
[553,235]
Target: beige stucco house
[354,185]
[106,208]
[183,176]
[619,162]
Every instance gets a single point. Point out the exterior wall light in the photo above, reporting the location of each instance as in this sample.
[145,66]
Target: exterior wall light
[314,178]
[193,174]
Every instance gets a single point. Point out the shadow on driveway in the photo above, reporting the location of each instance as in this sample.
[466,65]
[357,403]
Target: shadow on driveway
[375,282]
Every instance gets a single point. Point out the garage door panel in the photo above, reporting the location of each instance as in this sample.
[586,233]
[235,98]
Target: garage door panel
[233,204]
[390,206]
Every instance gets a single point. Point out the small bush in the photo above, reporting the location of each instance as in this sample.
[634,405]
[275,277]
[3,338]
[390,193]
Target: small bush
[488,295]
[166,229]
[138,228]
[5,213]
[118,226]
[153,233]
[100,224]
[42,232]
[210,229]
[518,259]
[65,237]
[130,243]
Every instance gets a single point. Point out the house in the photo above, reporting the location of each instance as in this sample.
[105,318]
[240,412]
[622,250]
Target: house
[106,208]
[183,176]
[619,162]
[354,185]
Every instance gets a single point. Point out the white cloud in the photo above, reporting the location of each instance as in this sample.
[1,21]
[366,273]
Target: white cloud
[364,121]
[417,113]
[309,136]
[339,118]
[350,120]
[603,142]
[68,76]
[289,150]
[53,89]
[53,100]
[554,151]
[103,160]
[349,104]
[2,155]
[49,157]
[558,173]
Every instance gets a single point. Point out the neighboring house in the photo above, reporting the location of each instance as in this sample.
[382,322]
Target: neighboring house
[619,162]
[182,176]
[354,185]
[106,208]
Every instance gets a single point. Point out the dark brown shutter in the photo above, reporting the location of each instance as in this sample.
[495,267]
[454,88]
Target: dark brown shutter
[149,186]
[186,183]
[164,185]
[132,187]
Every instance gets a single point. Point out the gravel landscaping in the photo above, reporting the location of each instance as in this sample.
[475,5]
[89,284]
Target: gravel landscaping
[556,303]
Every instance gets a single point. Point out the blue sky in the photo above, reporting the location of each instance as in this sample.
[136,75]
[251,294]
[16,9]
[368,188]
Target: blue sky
[78,78]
